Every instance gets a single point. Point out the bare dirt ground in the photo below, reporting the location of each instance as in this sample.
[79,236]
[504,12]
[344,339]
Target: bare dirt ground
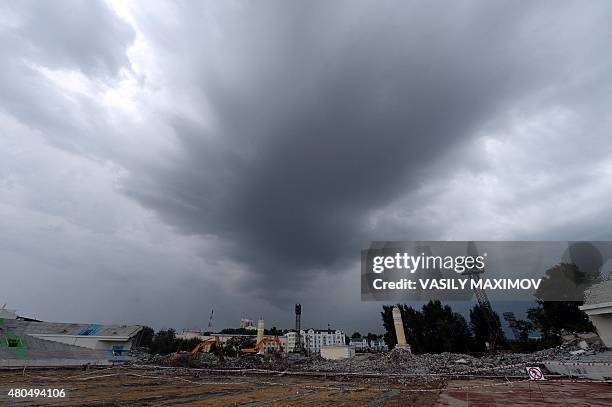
[545,393]
[120,386]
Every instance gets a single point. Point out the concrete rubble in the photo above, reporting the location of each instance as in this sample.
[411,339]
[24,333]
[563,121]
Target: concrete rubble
[401,361]
[398,361]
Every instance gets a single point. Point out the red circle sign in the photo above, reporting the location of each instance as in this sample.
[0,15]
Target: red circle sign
[535,373]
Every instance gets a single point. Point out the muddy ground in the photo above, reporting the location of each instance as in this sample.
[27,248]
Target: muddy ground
[121,386]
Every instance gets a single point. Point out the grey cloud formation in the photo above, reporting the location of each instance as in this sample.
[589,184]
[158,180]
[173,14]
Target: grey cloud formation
[69,35]
[65,36]
[320,116]
[257,147]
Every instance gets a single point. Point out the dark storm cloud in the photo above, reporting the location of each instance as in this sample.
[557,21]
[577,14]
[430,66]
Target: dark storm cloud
[320,115]
[273,140]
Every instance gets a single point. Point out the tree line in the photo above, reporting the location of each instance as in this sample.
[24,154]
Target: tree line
[437,328]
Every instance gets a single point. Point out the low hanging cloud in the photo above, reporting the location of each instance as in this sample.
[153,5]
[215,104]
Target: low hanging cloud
[275,139]
[318,117]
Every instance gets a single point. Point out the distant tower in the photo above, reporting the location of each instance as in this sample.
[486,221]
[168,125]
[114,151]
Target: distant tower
[260,333]
[260,330]
[298,327]
[399,329]
[210,321]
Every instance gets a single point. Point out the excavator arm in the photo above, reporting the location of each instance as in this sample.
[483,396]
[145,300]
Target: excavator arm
[262,343]
[205,346]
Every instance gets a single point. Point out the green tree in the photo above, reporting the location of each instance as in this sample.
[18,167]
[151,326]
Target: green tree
[486,326]
[145,337]
[414,329]
[449,327]
[564,281]
[235,343]
[356,335]
[459,333]
[550,317]
[523,327]
[436,328]
[237,331]
[163,342]
[184,344]
[389,335]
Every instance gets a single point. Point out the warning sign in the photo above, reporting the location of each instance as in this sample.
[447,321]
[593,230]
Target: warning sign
[535,373]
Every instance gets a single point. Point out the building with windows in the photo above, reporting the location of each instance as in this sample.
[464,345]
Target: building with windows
[33,343]
[313,339]
[187,334]
[360,344]
[247,324]
[378,345]
[337,352]
[598,306]
[363,345]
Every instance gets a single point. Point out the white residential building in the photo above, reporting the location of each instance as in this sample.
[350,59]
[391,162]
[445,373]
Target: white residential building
[379,345]
[187,334]
[247,324]
[360,344]
[336,352]
[7,313]
[598,306]
[314,339]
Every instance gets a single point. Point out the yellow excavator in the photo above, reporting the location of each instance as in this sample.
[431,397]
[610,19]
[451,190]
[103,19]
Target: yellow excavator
[205,346]
[265,341]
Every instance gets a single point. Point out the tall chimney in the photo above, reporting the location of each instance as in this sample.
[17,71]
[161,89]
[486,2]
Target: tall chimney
[260,330]
[399,329]
[260,334]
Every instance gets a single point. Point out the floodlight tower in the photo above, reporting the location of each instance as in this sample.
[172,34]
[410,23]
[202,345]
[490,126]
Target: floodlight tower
[298,327]
[210,321]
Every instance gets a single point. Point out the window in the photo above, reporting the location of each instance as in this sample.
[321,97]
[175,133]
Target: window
[90,330]
[14,342]
[117,350]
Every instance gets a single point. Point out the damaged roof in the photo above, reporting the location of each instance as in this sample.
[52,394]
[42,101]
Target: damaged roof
[60,328]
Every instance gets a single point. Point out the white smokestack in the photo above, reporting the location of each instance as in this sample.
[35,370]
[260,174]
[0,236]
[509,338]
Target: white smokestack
[399,329]
[260,330]
[260,334]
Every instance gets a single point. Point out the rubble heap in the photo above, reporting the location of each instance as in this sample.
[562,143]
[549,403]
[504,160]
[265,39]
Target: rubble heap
[575,347]
[402,361]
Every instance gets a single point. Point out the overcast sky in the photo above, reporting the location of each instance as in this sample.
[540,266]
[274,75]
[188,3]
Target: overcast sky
[160,159]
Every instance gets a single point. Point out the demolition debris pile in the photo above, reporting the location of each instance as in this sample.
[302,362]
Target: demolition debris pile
[398,361]
[402,361]
[210,361]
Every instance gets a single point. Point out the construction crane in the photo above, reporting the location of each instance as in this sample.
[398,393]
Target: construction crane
[262,344]
[483,301]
